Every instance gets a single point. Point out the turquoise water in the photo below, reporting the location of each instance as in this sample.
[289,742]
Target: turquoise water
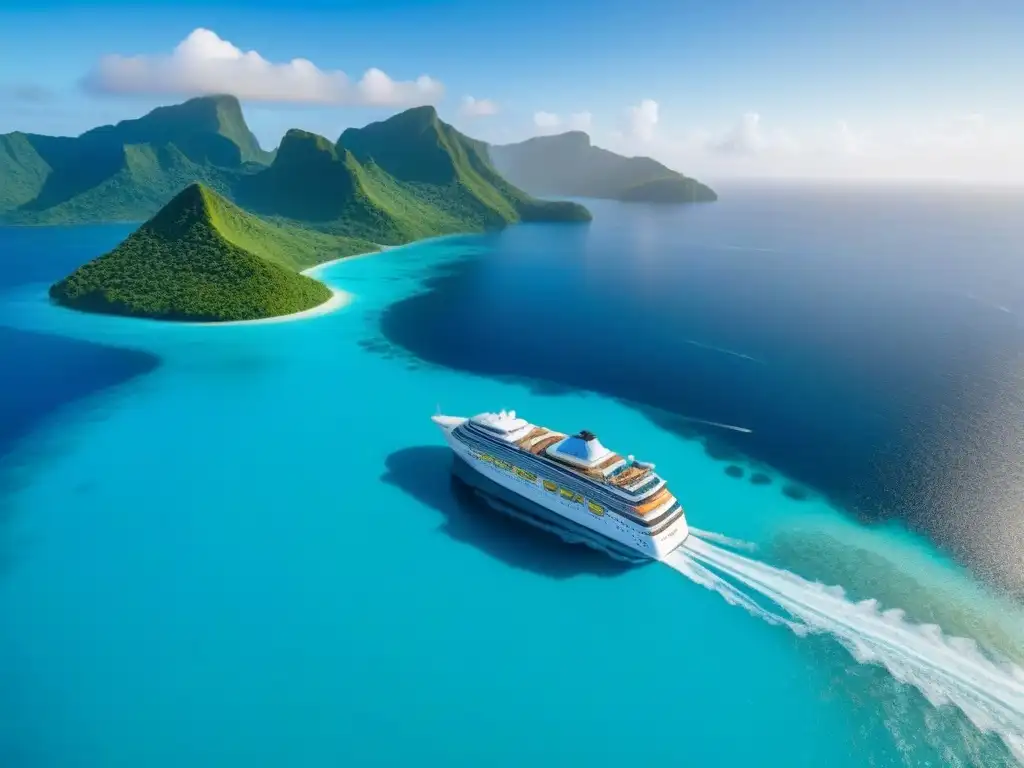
[252,554]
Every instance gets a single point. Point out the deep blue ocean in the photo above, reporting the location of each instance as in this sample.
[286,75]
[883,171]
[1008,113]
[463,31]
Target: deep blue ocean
[241,545]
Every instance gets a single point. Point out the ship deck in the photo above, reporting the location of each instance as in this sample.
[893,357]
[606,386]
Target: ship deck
[539,439]
[654,509]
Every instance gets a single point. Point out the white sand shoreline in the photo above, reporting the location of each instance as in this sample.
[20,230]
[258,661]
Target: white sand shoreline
[339,298]
[314,270]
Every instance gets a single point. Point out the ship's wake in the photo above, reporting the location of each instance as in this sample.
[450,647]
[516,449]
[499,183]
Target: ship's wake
[945,669]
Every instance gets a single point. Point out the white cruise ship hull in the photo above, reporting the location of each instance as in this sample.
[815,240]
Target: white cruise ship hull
[608,531]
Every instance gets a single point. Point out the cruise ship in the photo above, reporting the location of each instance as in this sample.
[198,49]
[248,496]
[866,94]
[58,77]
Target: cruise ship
[568,484]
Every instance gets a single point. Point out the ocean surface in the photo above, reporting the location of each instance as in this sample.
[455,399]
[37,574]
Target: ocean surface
[241,545]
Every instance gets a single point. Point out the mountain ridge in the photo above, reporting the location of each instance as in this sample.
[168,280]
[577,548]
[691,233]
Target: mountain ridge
[569,165]
[126,171]
[392,181]
[404,178]
[201,256]
[190,125]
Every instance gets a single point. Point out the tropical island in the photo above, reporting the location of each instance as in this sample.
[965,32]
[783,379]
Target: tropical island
[230,246]
[568,165]
[202,258]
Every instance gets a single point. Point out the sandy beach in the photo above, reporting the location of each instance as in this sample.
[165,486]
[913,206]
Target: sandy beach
[338,300]
[314,271]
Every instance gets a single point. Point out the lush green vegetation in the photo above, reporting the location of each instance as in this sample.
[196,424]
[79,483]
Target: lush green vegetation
[401,179]
[22,170]
[126,172]
[568,165]
[208,129]
[202,258]
[405,178]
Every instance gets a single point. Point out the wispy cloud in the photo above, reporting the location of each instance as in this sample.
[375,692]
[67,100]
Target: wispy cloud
[477,107]
[848,140]
[744,138]
[546,120]
[203,63]
[643,119]
[576,121]
[969,146]
[579,121]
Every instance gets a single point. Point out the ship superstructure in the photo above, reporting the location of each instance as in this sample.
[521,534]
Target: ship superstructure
[571,483]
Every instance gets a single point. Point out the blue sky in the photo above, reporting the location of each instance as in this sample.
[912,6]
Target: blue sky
[720,87]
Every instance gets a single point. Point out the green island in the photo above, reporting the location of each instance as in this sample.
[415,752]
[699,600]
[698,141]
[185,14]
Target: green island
[230,246]
[569,165]
[202,258]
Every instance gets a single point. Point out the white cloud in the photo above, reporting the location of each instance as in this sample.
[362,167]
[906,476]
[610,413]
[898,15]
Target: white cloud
[970,147]
[477,107]
[549,121]
[580,121]
[744,138]
[748,137]
[203,63]
[849,141]
[642,120]
[546,120]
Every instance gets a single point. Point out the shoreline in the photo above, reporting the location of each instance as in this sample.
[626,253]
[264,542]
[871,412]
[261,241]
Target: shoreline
[312,271]
[339,300]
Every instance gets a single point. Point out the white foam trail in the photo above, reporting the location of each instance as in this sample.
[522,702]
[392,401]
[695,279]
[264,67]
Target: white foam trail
[696,572]
[728,541]
[990,304]
[733,427]
[947,670]
[723,350]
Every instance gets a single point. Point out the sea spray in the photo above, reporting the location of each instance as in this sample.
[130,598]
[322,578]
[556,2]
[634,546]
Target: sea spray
[946,670]
[719,538]
[734,596]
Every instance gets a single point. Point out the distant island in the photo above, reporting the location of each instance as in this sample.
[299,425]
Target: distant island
[202,257]
[569,165]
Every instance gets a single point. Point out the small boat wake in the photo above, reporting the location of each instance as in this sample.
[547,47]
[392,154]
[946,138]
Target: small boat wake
[720,425]
[719,538]
[945,669]
[723,351]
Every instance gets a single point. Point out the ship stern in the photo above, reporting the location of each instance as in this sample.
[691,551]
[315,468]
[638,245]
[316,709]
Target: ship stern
[670,540]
